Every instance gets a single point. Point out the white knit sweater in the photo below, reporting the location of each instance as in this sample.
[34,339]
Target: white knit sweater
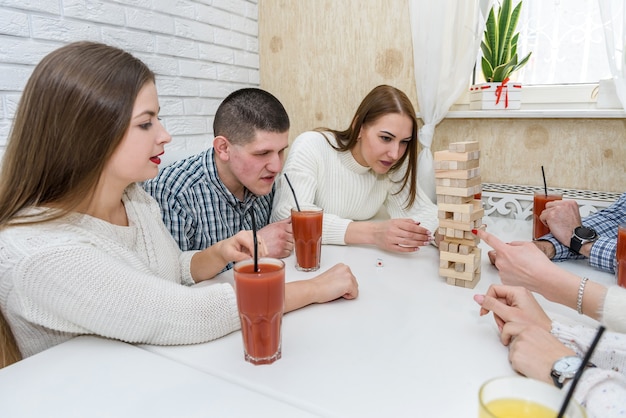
[602,390]
[347,191]
[82,275]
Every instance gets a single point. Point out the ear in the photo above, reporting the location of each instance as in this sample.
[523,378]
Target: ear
[222,146]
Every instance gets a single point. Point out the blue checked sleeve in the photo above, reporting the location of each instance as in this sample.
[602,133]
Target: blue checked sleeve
[605,223]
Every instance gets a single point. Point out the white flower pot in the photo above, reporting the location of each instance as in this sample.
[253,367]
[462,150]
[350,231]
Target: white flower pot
[494,96]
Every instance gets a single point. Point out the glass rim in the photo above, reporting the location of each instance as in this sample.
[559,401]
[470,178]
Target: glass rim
[551,192]
[526,381]
[267,260]
[313,209]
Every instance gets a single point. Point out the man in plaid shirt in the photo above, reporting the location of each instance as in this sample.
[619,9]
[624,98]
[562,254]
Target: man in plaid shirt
[211,196]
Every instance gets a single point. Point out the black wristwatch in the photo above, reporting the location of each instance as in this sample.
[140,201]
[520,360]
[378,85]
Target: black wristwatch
[566,368]
[581,235]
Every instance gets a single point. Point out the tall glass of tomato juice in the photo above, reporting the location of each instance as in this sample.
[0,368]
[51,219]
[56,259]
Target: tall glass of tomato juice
[261,300]
[307,235]
[539,204]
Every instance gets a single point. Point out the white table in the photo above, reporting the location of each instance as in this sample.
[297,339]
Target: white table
[410,345]
[96,377]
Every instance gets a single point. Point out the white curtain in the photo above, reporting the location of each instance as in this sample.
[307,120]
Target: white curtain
[446,40]
[613,15]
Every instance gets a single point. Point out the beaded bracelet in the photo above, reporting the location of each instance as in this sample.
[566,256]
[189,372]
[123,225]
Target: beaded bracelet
[581,290]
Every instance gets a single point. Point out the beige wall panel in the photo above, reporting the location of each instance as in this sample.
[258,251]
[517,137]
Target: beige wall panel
[320,57]
[587,154]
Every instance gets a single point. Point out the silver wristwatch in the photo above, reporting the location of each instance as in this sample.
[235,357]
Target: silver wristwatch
[566,368]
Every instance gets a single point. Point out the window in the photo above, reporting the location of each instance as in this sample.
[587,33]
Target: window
[569,57]
[566,38]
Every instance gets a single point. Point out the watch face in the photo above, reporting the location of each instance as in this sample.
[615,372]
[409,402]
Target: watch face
[585,233]
[568,366]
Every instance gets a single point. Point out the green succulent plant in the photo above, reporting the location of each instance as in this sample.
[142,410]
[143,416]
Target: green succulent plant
[499,45]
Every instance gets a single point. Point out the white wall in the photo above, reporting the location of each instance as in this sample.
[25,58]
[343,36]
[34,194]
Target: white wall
[201,50]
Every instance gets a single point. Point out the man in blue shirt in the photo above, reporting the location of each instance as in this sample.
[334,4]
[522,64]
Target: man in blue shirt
[594,237]
[211,196]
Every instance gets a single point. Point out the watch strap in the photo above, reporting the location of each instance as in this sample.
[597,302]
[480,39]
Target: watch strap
[579,239]
[575,244]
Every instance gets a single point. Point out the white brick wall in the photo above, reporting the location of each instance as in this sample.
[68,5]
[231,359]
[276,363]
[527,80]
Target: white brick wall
[200,50]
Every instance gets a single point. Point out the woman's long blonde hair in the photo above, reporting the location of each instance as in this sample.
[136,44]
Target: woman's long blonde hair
[9,352]
[73,113]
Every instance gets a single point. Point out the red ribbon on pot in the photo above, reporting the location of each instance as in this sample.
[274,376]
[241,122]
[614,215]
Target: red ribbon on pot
[499,89]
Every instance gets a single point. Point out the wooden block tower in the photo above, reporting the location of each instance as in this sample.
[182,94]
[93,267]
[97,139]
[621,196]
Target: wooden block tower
[457,176]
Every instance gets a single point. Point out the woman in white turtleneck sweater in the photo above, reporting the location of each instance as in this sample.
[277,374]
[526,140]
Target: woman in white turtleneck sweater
[352,174]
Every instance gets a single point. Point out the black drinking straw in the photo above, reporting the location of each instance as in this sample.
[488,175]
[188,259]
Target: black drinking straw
[580,371]
[292,191]
[254,239]
[545,185]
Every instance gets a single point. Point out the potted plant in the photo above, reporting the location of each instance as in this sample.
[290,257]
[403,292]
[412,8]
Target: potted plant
[499,60]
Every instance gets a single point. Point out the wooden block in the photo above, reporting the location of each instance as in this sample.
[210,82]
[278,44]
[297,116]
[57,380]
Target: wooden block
[467,217]
[458,174]
[464,249]
[442,182]
[453,247]
[445,264]
[469,235]
[451,280]
[443,245]
[455,165]
[454,200]
[472,260]
[461,241]
[448,182]
[464,226]
[446,155]
[469,284]
[459,267]
[452,234]
[477,223]
[471,206]
[442,214]
[464,146]
[449,272]
[459,191]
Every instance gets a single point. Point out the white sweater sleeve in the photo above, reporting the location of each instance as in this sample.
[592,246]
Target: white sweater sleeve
[78,289]
[602,390]
[614,309]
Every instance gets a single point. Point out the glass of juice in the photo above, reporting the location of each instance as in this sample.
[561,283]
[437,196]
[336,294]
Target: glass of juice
[620,256]
[522,397]
[307,235]
[539,204]
[261,301]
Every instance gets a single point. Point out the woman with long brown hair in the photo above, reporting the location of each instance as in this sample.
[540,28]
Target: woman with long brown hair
[355,172]
[83,249]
